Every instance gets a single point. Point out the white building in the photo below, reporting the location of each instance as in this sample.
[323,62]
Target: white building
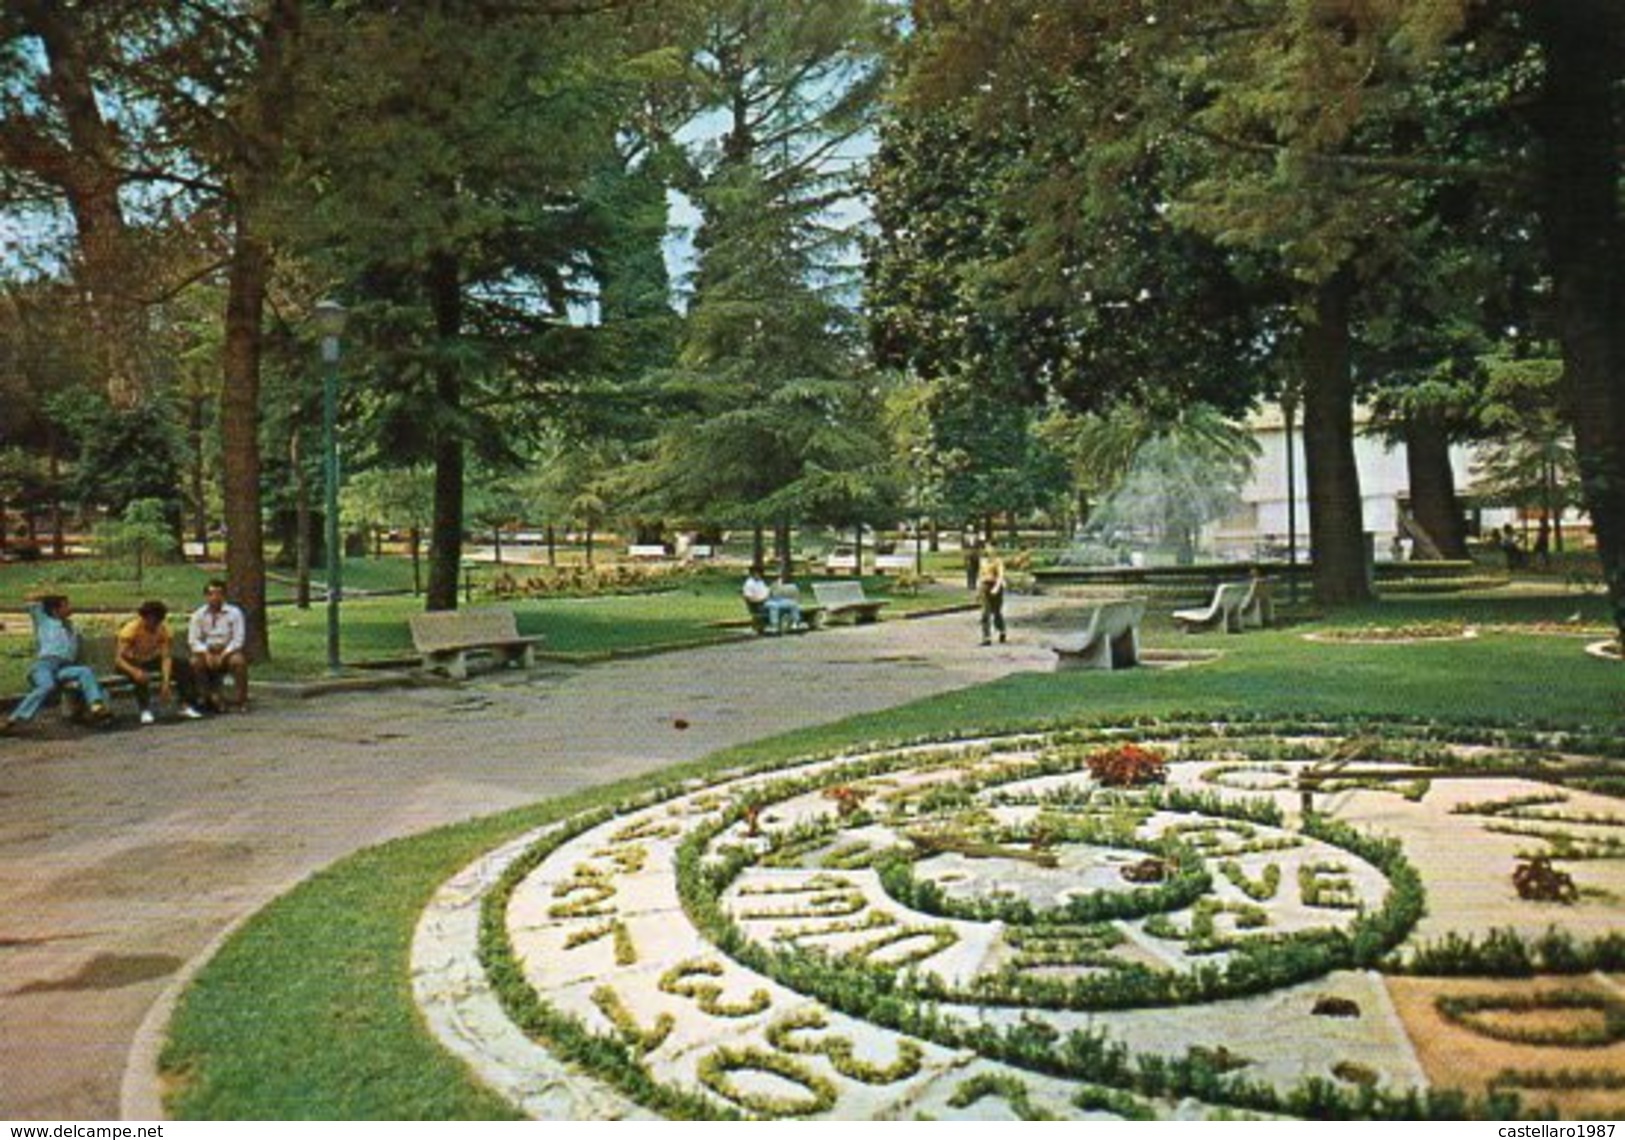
[1261,526]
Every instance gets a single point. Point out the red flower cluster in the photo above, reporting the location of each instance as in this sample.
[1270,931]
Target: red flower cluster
[847,798]
[1126,766]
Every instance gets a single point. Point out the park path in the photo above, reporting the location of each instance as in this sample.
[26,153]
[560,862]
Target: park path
[124,855]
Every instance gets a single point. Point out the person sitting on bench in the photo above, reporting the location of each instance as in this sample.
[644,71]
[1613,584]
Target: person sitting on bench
[56,663]
[145,647]
[216,635]
[782,609]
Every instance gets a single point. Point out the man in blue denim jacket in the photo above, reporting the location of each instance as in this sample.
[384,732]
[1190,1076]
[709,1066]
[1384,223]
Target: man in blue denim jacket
[56,662]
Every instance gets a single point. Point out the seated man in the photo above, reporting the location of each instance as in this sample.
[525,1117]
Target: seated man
[216,636]
[145,647]
[782,610]
[56,663]
[756,593]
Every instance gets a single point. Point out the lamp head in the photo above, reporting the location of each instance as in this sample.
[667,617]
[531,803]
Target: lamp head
[329,320]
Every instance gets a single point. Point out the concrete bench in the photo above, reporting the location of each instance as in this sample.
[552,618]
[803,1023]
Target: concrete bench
[445,638]
[651,552]
[1224,610]
[1258,607]
[894,563]
[1110,639]
[842,599]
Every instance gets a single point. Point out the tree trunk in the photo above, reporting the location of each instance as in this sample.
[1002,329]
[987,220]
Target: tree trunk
[758,545]
[59,540]
[258,133]
[250,269]
[781,549]
[1576,121]
[200,504]
[301,538]
[1433,486]
[415,536]
[1336,523]
[446,541]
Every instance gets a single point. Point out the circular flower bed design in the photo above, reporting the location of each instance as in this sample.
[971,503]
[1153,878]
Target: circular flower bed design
[1080,922]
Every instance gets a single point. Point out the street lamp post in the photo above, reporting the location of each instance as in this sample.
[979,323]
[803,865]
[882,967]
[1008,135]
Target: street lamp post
[919,512]
[330,323]
[1289,408]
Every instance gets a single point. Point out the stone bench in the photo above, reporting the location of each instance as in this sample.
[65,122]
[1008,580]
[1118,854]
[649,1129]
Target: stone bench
[1258,607]
[846,599]
[1223,611]
[446,638]
[650,552]
[1110,639]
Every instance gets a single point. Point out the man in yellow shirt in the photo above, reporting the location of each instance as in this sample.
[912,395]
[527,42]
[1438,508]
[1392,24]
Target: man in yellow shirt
[990,593]
[145,647]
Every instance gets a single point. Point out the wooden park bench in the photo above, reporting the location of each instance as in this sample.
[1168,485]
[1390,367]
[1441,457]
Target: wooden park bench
[445,638]
[1110,639]
[1223,611]
[842,599]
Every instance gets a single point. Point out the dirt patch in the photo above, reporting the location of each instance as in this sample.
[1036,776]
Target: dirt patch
[157,871]
[1457,1057]
[108,972]
[10,943]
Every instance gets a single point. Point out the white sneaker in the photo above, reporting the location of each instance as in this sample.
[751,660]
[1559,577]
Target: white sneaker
[147,717]
[190,713]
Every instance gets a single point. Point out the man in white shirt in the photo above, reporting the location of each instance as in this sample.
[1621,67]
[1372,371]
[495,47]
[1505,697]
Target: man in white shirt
[216,636]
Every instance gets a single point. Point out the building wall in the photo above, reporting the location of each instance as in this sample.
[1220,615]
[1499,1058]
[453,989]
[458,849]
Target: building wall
[1261,526]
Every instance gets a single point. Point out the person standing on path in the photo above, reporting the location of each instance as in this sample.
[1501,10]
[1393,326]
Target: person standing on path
[216,636]
[56,663]
[990,592]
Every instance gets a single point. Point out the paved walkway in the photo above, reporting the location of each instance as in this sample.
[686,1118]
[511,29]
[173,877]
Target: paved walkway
[122,855]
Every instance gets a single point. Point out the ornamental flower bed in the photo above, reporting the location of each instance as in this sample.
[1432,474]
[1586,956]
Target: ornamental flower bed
[847,963]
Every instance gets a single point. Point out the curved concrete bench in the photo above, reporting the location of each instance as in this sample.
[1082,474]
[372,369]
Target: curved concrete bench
[1110,640]
[1224,610]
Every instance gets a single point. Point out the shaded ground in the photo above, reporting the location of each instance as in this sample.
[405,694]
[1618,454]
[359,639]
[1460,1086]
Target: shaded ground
[122,855]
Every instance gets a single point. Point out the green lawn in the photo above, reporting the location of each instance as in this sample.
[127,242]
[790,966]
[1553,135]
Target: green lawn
[373,628]
[307,1012]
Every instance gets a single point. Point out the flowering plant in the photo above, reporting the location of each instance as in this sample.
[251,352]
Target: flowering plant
[1126,766]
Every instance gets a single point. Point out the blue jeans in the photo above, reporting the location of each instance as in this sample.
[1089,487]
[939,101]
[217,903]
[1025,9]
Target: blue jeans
[781,613]
[47,676]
